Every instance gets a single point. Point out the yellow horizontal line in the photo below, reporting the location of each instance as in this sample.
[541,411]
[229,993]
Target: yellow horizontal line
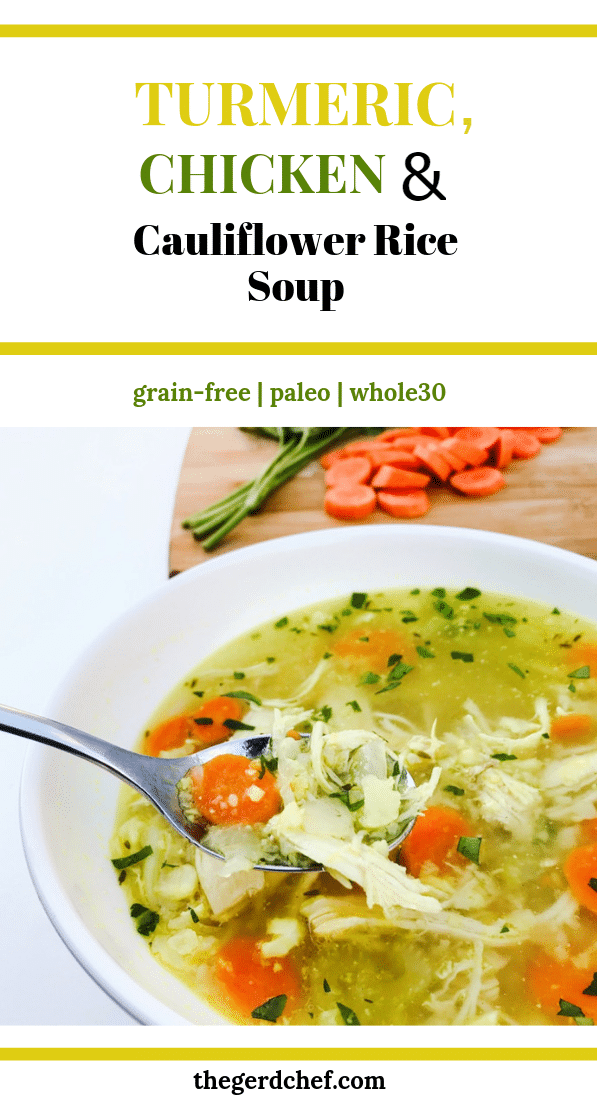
[298,30]
[297,348]
[318,1054]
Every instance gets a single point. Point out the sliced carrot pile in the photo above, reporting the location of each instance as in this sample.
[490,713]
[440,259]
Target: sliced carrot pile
[434,839]
[204,727]
[250,979]
[482,481]
[395,468]
[572,727]
[580,870]
[231,790]
[548,982]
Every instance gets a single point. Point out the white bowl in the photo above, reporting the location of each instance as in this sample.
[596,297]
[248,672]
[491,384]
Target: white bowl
[67,806]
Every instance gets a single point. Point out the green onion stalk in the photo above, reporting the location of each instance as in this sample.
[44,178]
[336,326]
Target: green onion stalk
[297,448]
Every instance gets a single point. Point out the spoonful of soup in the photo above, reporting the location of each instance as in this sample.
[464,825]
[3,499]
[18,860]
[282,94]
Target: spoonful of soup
[288,803]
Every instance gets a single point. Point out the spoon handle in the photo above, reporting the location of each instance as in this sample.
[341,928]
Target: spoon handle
[121,762]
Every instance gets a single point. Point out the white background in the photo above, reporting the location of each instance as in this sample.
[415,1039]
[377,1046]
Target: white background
[518,188]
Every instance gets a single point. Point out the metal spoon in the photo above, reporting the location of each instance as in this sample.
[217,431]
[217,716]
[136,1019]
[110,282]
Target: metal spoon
[154,777]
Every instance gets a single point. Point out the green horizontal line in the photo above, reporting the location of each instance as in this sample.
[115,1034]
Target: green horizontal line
[318,1054]
[298,30]
[296,348]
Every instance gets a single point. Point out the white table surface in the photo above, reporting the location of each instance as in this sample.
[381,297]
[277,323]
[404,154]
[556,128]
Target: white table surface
[85,516]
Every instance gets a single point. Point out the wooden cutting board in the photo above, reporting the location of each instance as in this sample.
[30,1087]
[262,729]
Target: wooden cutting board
[551,498]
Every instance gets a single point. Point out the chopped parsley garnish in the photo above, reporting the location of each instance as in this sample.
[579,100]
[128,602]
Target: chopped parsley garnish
[468,594]
[517,670]
[394,659]
[234,724]
[148,922]
[424,652]
[503,756]
[330,627]
[270,1010]
[568,1009]
[504,928]
[168,865]
[591,990]
[238,675]
[456,655]
[469,847]
[358,599]
[244,695]
[501,620]
[135,857]
[348,1016]
[344,798]
[137,910]
[408,617]
[327,656]
[281,622]
[268,763]
[364,638]
[121,877]
[593,883]
[355,706]
[439,592]
[415,591]
[509,633]
[444,609]
[203,721]
[582,673]
[370,678]
[326,986]
[194,917]
[454,790]
[556,611]
[270,660]
[199,694]
[323,714]
[395,677]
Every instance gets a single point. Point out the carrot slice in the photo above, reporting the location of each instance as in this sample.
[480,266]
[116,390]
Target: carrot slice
[204,726]
[549,982]
[588,829]
[372,649]
[396,434]
[525,445]
[434,461]
[170,735]
[585,654]
[250,979]
[502,450]
[230,790]
[437,433]
[404,505]
[349,501]
[355,469]
[469,452]
[481,437]
[418,440]
[580,870]
[454,461]
[390,456]
[571,727]
[433,839]
[545,435]
[389,477]
[481,481]
[328,459]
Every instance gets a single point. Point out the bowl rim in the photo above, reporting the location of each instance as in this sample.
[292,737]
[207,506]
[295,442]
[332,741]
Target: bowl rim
[125,991]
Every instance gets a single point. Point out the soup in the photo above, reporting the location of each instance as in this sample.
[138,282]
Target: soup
[487,912]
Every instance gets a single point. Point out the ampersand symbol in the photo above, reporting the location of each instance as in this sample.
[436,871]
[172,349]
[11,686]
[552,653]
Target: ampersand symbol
[418,173]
